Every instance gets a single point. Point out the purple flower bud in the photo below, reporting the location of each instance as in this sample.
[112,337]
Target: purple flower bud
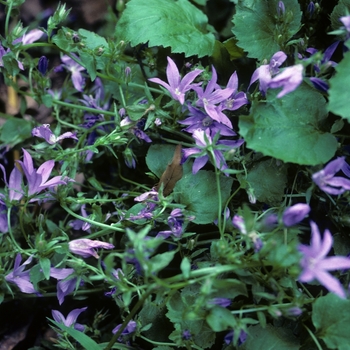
[281,8]
[42,65]
[319,84]
[223,302]
[295,214]
[186,335]
[127,71]
[310,8]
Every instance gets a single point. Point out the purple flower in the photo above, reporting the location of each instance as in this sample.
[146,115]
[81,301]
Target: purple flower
[65,285]
[265,72]
[241,339]
[289,79]
[44,132]
[80,224]
[186,335]
[316,265]
[223,302]
[20,277]
[76,69]
[295,214]
[329,183]
[4,227]
[346,21]
[211,96]
[15,183]
[204,140]
[38,179]
[175,222]
[319,84]
[281,8]
[30,37]
[3,52]
[71,318]
[177,86]
[130,328]
[200,120]
[86,247]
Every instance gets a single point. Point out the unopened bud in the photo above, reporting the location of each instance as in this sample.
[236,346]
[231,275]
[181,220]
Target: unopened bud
[42,65]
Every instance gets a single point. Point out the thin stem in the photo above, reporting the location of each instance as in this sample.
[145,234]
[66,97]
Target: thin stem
[313,337]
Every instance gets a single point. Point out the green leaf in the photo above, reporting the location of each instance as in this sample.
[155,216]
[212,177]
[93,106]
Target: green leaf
[339,93]
[159,156]
[177,24]
[161,260]
[267,33]
[268,179]
[45,265]
[331,317]
[220,319]
[270,338]
[85,341]
[15,131]
[200,196]
[185,267]
[92,40]
[288,128]
[341,9]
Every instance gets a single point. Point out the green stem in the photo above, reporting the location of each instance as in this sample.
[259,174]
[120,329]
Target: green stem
[129,317]
[92,222]
[14,242]
[313,337]
[7,20]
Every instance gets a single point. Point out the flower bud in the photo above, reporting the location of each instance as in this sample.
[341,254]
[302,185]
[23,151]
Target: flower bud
[42,65]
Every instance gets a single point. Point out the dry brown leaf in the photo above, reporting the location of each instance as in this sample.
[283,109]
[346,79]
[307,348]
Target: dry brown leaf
[172,173]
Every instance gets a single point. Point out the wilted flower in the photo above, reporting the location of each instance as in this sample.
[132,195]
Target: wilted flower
[177,86]
[295,214]
[44,132]
[329,183]
[71,318]
[86,247]
[316,265]
[20,277]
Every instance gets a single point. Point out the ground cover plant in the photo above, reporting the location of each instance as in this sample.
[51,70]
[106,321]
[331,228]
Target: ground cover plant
[189,184]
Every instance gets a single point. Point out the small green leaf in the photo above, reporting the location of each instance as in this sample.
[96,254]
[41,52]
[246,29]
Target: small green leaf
[267,33]
[177,24]
[162,260]
[331,317]
[185,267]
[288,128]
[220,319]
[45,265]
[85,341]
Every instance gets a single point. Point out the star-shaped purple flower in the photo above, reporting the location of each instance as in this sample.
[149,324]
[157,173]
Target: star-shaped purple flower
[212,95]
[71,319]
[65,285]
[177,86]
[20,277]
[76,69]
[204,140]
[326,180]
[316,265]
[38,180]
[44,132]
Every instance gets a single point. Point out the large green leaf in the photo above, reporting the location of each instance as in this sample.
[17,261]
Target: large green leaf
[339,93]
[177,24]
[289,128]
[15,131]
[267,32]
[199,193]
[331,317]
[268,179]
